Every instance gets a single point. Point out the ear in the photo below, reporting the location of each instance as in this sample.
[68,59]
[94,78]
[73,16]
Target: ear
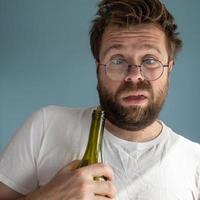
[171,65]
[97,67]
[96,62]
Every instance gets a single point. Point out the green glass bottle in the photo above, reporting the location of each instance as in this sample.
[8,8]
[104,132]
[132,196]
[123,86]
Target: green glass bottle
[92,153]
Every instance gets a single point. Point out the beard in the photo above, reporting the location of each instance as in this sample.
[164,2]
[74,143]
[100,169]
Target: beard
[132,118]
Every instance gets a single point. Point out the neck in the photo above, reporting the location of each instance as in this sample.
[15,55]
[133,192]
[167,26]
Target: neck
[144,135]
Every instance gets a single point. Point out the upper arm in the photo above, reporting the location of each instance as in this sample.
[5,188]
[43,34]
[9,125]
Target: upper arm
[22,153]
[7,193]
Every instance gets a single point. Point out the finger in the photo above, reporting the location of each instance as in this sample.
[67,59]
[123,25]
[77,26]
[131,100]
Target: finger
[105,188]
[97,197]
[98,169]
[70,167]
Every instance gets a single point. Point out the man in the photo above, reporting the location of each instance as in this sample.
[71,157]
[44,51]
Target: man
[134,43]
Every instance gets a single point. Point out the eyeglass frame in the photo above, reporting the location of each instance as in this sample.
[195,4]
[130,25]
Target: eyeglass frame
[137,66]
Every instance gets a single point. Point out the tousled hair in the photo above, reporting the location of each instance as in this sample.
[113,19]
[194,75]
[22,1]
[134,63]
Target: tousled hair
[127,13]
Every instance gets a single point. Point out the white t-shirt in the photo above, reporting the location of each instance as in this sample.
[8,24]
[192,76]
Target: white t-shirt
[166,168]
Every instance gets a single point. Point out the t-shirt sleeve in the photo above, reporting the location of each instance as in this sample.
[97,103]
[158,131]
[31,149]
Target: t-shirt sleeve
[18,162]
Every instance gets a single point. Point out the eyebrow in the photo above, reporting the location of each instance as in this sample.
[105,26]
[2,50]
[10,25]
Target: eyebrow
[150,46]
[115,46]
[143,47]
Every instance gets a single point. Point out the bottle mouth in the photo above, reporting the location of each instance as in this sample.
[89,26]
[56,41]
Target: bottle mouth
[99,112]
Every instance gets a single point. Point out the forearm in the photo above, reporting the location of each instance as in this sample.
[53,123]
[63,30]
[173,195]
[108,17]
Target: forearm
[38,194]
[35,195]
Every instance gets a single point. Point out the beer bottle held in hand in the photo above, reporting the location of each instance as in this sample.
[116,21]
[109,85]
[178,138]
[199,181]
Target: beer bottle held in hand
[93,153]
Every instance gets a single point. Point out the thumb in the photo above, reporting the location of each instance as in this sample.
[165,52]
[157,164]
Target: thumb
[73,165]
[70,167]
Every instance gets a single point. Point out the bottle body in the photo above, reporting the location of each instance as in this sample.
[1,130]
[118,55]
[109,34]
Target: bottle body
[93,152]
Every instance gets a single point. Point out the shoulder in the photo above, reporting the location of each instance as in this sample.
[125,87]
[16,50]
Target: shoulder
[54,113]
[61,113]
[186,146]
[53,119]
[190,146]
[65,111]
[65,120]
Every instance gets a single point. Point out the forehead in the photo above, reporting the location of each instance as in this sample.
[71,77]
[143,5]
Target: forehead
[142,37]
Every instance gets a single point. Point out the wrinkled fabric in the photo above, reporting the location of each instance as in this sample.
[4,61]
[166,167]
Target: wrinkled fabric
[166,168]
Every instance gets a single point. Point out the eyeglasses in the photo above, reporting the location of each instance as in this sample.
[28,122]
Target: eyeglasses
[118,68]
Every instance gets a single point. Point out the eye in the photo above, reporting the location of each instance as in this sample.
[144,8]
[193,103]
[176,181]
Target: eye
[117,61]
[149,61]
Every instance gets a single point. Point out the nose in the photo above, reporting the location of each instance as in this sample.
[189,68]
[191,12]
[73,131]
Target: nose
[134,74]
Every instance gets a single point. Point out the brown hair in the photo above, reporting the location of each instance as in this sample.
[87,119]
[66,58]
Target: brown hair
[126,13]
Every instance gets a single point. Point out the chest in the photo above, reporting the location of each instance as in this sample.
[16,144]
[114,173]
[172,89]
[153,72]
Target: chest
[152,175]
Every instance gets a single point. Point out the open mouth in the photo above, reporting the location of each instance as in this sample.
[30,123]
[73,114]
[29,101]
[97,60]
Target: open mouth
[132,99]
[135,97]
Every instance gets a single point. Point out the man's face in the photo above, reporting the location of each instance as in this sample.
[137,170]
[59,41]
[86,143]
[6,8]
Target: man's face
[133,103]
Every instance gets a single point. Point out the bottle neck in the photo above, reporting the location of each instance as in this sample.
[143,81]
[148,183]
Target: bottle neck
[96,132]
[93,150]
[96,135]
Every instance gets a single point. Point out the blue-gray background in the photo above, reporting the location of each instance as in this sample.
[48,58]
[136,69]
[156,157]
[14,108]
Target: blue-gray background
[45,59]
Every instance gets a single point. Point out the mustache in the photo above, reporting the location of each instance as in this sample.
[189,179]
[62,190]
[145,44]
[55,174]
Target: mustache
[130,86]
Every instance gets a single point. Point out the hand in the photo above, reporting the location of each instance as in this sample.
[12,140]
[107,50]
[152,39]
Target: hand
[78,184]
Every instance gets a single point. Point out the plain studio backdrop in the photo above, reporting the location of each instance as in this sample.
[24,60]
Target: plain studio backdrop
[45,59]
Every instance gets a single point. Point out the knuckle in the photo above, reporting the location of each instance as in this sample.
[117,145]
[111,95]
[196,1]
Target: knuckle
[107,169]
[83,186]
[104,167]
[111,189]
[79,173]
